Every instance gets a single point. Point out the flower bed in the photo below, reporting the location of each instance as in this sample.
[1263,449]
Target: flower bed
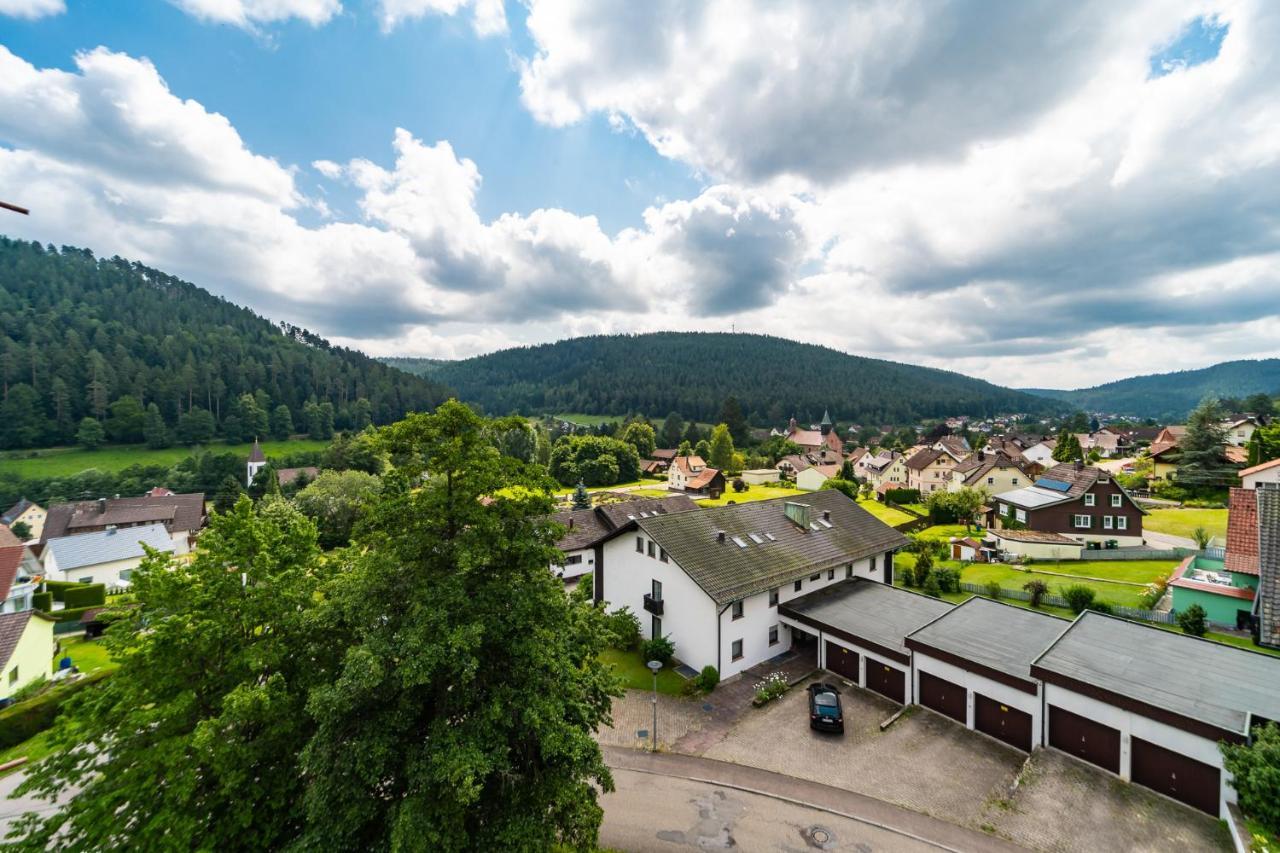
[772,687]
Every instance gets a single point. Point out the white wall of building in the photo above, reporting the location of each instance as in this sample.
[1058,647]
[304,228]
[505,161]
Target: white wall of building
[810,479]
[1267,475]
[1135,725]
[107,573]
[585,565]
[973,682]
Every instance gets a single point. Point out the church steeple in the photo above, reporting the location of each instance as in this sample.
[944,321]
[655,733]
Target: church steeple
[825,426]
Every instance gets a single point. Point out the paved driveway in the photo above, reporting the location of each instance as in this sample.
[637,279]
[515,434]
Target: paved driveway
[922,761]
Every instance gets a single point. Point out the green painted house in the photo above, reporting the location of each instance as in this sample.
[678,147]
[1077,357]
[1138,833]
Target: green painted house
[1226,596]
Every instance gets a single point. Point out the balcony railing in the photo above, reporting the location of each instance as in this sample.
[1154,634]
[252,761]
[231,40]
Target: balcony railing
[653,605]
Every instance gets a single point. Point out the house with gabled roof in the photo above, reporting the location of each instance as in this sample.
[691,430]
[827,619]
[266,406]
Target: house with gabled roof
[183,516]
[692,475]
[995,472]
[712,580]
[28,512]
[26,650]
[929,470]
[1267,473]
[1075,500]
[815,439]
[587,529]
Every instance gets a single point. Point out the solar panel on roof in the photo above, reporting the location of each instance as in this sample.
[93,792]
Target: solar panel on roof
[1056,485]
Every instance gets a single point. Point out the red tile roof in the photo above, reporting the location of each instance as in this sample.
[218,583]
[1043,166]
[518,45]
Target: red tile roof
[1242,532]
[10,560]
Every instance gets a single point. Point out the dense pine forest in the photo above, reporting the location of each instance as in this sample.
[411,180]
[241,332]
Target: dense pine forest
[96,350]
[693,372]
[1170,396]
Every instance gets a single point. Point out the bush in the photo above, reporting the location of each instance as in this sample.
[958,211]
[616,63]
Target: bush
[585,587]
[1101,607]
[85,595]
[708,678]
[846,487]
[948,579]
[1154,592]
[1079,597]
[71,614]
[1192,621]
[25,720]
[740,485]
[660,649]
[1038,589]
[932,587]
[901,496]
[625,628]
[1256,771]
[42,601]
[773,686]
[992,589]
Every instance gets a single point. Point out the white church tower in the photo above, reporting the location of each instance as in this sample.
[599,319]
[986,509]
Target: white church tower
[257,461]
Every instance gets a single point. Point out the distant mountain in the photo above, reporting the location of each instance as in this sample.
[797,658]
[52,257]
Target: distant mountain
[79,335]
[693,372]
[1172,395]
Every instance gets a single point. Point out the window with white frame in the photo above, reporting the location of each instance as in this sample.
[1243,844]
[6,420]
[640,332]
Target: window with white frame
[773,635]
[1090,499]
[1122,523]
[1022,515]
[1117,500]
[1082,521]
[1107,522]
[736,650]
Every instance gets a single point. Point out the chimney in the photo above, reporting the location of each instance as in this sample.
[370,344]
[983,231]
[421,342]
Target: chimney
[826,515]
[1079,465]
[102,505]
[798,513]
[720,536]
[571,522]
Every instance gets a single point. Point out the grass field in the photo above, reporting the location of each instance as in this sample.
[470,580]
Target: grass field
[755,493]
[629,667]
[89,655]
[887,514]
[65,461]
[1183,522]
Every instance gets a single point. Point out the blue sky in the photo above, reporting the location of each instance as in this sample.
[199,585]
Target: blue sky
[299,92]
[1054,195]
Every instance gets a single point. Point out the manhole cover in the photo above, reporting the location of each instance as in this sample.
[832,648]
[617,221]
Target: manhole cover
[707,706]
[820,835]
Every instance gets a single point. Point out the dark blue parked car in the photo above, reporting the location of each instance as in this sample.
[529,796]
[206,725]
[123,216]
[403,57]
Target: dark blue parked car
[825,713]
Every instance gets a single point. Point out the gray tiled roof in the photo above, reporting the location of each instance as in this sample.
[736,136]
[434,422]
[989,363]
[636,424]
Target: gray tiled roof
[1196,678]
[1001,636]
[179,512]
[1268,501]
[591,525]
[728,572]
[104,546]
[874,611]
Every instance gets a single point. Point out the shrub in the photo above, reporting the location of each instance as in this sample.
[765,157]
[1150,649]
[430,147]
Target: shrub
[1101,607]
[948,579]
[659,648]
[585,587]
[85,595]
[740,485]
[25,720]
[42,601]
[901,496]
[1038,589]
[924,565]
[992,589]
[1154,592]
[1202,537]
[1256,771]
[773,686]
[708,678]
[932,587]
[1079,597]
[625,628]
[1192,621]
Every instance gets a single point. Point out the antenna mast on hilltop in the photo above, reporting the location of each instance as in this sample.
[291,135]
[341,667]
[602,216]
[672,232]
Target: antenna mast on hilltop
[15,208]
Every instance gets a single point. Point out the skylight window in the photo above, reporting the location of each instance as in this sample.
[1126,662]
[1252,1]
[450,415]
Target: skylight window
[755,537]
[813,525]
[737,540]
[771,537]
[824,523]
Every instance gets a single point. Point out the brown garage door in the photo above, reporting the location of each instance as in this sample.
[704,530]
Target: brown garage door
[841,661]
[1173,774]
[1002,722]
[945,697]
[887,680]
[1083,738]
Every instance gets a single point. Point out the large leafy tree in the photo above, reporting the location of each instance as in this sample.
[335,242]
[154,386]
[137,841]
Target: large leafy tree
[721,448]
[462,717]
[193,743]
[335,500]
[639,434]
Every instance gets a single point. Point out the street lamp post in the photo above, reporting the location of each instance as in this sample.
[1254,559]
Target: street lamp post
[654,666]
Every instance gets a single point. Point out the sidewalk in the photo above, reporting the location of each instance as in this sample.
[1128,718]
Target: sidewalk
[810,794]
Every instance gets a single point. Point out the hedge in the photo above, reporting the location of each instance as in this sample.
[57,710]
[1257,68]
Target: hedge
[59,587]
[71,614]
[25,720]
[902,496]
[42,601]
[86,595]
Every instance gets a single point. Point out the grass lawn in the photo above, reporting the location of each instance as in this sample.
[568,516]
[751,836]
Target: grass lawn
[589,420]
[887,514]
[1011,578]
[33,748]
[89,655]
[918,509]
[1183,522]
[65,461]
[629,667]
[755,493]
[943,532]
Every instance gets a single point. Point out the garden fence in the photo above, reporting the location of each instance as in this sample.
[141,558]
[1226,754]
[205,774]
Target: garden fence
[1058,601]
[1138,554]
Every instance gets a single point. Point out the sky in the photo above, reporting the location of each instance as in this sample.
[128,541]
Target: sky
[1038,194]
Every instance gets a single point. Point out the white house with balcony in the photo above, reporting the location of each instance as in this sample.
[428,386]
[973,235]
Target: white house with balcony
[712,580]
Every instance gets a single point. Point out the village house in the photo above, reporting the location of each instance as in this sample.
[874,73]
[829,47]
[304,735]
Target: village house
[1266,474]
[994,472]
[26,650]
[104,556]
[714,580]
[19,573]
[812,440]
[182,517]
[886,469]
[1078,501]
[1165,452]
[31,514]
[587,529]
[1225,587]
[1108,444]
[929,470]
[1239,429]
[692,476]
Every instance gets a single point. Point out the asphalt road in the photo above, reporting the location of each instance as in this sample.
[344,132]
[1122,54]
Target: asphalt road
[650,812]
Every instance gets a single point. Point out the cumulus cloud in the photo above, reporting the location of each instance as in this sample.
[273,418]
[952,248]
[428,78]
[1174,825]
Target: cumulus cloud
[249,14]
[32,9]
[488,17]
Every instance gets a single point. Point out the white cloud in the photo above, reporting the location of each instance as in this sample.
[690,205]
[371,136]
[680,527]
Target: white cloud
[249,14]
[488,17]
[32,9]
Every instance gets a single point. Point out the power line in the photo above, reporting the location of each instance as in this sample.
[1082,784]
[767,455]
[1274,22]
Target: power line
[15,208]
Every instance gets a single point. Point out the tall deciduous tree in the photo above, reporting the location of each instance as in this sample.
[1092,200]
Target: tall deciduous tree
[639,434]
[462,717]
[721,448]
[90,435]
[193,743]
[335,500]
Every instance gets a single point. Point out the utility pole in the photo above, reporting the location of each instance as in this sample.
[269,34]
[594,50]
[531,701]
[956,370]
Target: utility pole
[15,208]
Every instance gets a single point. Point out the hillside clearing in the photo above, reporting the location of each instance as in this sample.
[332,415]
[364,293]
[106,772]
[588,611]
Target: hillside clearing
[66,461]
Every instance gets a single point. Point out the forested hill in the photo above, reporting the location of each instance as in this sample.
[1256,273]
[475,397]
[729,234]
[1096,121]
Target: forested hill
[1173,395]
[693,372]
[82,337]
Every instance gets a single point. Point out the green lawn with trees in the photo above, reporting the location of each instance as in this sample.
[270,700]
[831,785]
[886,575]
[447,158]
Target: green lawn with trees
[66,461]
[1184,522]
